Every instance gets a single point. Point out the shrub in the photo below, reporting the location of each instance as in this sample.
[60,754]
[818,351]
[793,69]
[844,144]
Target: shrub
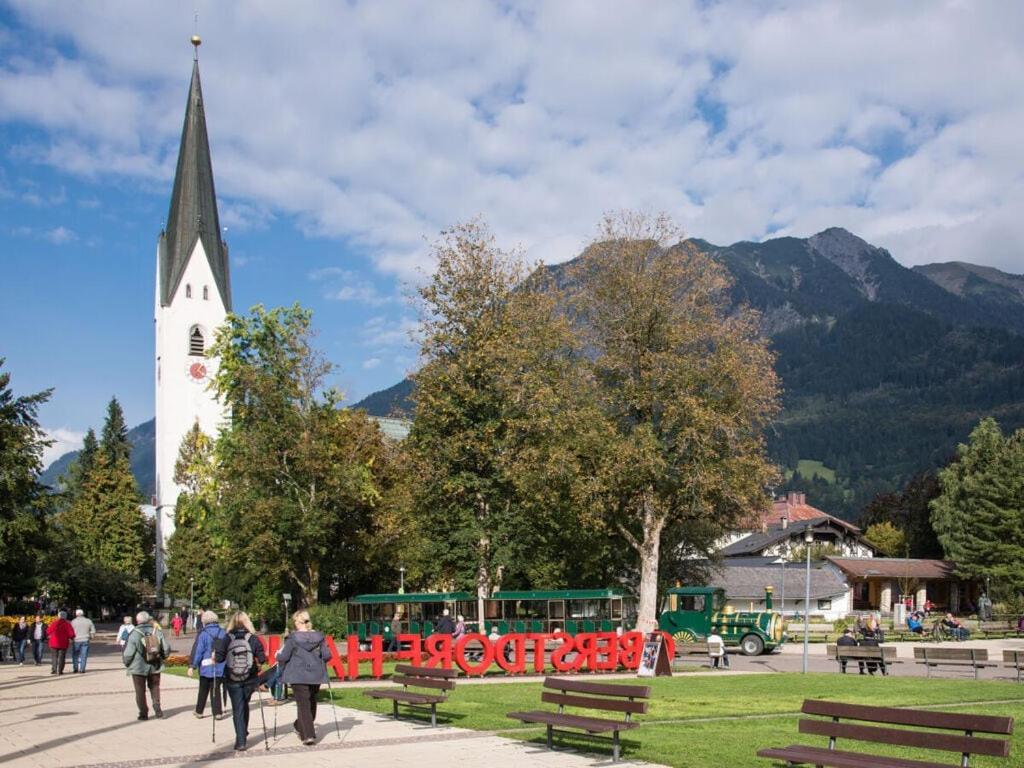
[330,618]
[7,622]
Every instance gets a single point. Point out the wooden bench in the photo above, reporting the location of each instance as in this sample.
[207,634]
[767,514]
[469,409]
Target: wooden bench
[609,697]
[438,681]
[964,743]
[684,650]
[1014,660]
[884,655]
[976,658]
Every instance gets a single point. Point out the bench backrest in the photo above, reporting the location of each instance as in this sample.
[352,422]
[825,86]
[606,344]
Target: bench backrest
[422,677]
[685,649]
[963,742]
[1014,657]
[883,652]
[950,654]
[610,697]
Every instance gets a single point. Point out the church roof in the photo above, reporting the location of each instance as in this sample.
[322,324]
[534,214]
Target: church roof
[193,214]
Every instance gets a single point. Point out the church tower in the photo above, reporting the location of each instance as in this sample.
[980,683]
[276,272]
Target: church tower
[193,297]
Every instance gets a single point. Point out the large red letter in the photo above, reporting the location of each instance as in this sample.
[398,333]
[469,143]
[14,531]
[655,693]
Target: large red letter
[539,642]
[558,655]
[606,646]
[415,652]
[631,645]
[439,651]
[518,653]
[375,656]
[465,664]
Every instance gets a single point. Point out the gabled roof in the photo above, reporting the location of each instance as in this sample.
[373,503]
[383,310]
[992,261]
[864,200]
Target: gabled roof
[193,214]
[893,567]
[757,542]
[749,582]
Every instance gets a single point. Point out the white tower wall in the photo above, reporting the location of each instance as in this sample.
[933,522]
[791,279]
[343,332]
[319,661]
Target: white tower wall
[181,398]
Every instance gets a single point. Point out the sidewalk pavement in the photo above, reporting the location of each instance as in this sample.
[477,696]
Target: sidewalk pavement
[88,720]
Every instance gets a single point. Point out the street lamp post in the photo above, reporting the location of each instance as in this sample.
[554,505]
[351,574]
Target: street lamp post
[808,540]
[287,599]
[191,600]
[401,576]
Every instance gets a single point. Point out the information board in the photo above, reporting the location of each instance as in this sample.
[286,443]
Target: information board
[654,661]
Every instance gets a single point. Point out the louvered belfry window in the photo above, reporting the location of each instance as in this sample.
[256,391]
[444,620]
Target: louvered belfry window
[196,344]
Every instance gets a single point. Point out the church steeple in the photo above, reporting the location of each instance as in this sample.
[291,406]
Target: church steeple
[193,214]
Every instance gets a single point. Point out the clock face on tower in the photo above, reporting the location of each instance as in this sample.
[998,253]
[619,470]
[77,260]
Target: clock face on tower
[197,372]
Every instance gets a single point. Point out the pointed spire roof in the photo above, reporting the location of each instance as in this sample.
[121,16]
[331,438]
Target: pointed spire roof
[193,215]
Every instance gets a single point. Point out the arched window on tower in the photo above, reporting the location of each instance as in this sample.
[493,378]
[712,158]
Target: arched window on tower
[188,291]
[196,343]
[206,293]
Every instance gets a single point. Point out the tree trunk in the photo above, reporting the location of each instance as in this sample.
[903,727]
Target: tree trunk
[650,550]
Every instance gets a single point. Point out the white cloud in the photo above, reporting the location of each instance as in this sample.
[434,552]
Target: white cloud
[899,121]
[60,235]
[64,440]
[347,285]
[370,363]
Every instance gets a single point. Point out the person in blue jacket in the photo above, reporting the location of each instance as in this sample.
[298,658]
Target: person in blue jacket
[211,674]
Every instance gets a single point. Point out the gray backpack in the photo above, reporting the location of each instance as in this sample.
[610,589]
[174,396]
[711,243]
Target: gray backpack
[239,661]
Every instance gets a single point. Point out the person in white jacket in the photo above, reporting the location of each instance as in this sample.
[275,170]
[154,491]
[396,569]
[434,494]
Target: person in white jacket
[125,631]
[716,650]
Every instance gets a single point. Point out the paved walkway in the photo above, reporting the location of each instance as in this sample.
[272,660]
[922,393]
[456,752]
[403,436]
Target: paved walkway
[79,721]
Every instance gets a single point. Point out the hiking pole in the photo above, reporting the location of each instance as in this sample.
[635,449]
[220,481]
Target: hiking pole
[213,697]
[259,696]
[330,695]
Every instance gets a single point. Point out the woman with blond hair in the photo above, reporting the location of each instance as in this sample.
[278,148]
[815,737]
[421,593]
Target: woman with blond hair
[304,657]
[242,655]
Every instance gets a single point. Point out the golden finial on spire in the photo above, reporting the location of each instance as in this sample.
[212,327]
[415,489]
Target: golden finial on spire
[196,40]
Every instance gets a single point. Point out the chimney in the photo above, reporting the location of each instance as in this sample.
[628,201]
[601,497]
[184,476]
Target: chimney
[791,497]
[801,498]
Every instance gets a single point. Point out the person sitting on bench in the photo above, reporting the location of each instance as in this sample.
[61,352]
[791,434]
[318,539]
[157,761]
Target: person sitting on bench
[914,623]
[955,628]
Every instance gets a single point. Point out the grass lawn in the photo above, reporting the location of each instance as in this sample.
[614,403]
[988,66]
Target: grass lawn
[722,722]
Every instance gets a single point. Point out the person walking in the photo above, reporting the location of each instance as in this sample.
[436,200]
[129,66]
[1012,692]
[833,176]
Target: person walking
[304,656]
[445,625]
[20,636]
[242,654]
[211,674]
[396,630]
[176,623]
[460,627]
[59,635]
[143,657]
[37,634]
[84,631]
[124,631]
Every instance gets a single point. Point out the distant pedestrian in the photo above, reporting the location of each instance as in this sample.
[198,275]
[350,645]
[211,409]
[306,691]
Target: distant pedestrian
[984,607]
[460,627]
[21,637]
[242,654]
[124,631]
[59,635]
[176,624]
[304,656]
[396,630]
[38,636]
[143,656]
[445,625]
[211,674]
[84,631]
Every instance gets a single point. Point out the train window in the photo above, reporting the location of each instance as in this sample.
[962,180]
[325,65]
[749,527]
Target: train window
[528,609]
[718,603]
[616,609]
[691,602]
[492,609]
[354,612]
[584,609]
[556,609]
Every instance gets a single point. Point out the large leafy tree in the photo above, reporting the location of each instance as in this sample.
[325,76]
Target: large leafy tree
[908,510]
[682,387]
[298,478]
[22,499]
[979,515]
[492,470]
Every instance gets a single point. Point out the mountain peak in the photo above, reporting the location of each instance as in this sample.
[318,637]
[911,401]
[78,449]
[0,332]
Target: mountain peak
[856,257]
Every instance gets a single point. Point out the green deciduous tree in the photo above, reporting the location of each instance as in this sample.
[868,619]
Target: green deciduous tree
[490,451]
[979,515]
[191,554]
[22,499]
[909,511]
[682,389]
[886,538]
[298,478]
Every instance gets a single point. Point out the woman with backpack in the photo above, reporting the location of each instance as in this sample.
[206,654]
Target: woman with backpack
[304,657]
[211,674]
[242,655]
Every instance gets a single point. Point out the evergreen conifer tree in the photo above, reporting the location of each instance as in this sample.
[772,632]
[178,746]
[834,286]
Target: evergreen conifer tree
[80,468]
[114,441]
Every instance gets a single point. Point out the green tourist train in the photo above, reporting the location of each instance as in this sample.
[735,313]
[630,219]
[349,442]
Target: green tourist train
[688,614]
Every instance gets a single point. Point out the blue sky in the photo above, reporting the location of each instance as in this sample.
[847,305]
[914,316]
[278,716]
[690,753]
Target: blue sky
[345,136]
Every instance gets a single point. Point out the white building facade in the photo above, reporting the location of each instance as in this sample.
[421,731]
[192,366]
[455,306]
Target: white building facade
[193,297]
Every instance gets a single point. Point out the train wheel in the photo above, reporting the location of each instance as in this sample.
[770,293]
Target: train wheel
[752,645]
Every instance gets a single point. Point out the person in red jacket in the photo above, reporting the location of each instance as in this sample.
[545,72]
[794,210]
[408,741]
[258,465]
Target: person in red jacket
[59,635]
